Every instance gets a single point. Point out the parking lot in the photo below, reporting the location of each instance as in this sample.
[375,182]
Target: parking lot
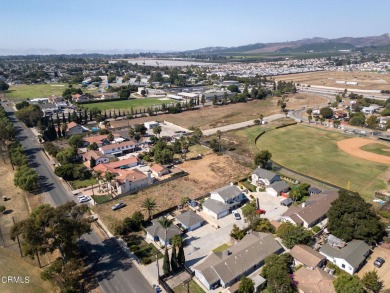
[200,242]
[270,204]
[384,270]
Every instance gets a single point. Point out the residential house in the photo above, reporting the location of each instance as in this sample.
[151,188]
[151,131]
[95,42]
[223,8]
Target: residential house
[314,190]
[99,139]
[335,242]
[98,156]
[311,212]
[306,256]
[157,233]
[370,109]
[313,281]
[151,124]
[228,267]
[48,108]
[264,177]
[53,99]
[131,180]
[159,170]
[190,220]
[77,98]
[106,96]
[74,128]
[349,258]
[119,148]
[229,194]
[215,208]
[277,188]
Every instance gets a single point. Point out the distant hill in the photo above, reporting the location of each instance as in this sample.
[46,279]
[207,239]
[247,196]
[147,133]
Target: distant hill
[305,45]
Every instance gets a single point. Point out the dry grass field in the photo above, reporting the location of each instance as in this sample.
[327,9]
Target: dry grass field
[367,80]
[205,175]
[216,116]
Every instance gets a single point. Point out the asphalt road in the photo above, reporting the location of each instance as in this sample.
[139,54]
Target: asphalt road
[111,266]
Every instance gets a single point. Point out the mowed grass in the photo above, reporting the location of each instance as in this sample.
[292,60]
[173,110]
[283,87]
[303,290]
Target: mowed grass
[377,148]
[194,288]
[15,266]
[128,104]
[314,152]
[32,91]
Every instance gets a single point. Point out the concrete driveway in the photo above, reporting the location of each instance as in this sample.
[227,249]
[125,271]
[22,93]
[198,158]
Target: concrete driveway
[200,242]
[270,204]
[383,271]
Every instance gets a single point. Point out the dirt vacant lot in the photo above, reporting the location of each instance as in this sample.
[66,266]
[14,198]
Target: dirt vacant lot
[205,175]
[216,116]
[367,80]
[352,146]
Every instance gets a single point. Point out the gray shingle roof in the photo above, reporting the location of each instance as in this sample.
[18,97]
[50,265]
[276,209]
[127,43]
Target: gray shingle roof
[263,173]
[189,218]
[215,205]
[157,230]
[228,191]
[353,253]
[250,251]
[279,186]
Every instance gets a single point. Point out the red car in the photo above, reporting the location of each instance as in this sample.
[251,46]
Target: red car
[261,212]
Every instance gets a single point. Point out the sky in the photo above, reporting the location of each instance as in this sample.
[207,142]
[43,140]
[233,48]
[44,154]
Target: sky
[170,25]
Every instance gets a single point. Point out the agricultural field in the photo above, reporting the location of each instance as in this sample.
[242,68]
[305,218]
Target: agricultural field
[32,91]
[128,104]
[217,116]
[367,80]
[206,174]
[315,152]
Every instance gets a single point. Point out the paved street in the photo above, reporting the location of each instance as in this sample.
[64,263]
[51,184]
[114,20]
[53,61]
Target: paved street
[112,267]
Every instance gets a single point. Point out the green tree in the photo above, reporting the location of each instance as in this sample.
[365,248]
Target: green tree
[166,263]
[157,130]
[214,145]
[66,156]
[26,178]
[219,135]
[300,191]
[262,158]
[92,162]
[180,256]
[237,233]
[76,140]
[277,272]
[3,86]
[326,112]
[372,122]
[165,224]
[371,281]
[246,286]
[348,284]
[250,213]
[150,205]
[351,217]
[93,146]
[110,137]
[203,100]
[174,264]
[357,119]
[293,235]
[264,225]
[48,229]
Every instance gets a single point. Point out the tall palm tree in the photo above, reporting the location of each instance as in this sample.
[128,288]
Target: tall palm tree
[219,134]
[108,177]
[150,205]
[165,224]
[97,175]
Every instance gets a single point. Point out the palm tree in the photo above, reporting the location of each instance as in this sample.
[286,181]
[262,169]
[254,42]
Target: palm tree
[108,177]
[219,134]
[150,205]
[165,224]
[97,175]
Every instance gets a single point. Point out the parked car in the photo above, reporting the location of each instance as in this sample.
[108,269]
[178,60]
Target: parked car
[261,212]
[379,262]
[237,216]
[118,206]
[84,199]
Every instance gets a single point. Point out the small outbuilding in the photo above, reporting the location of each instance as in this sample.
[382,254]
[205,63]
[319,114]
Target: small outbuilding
[190,220]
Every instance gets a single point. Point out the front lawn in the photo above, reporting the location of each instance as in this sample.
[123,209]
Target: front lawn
[76,184]
[194,288]
[248,185]
[101,198]
[146,252]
